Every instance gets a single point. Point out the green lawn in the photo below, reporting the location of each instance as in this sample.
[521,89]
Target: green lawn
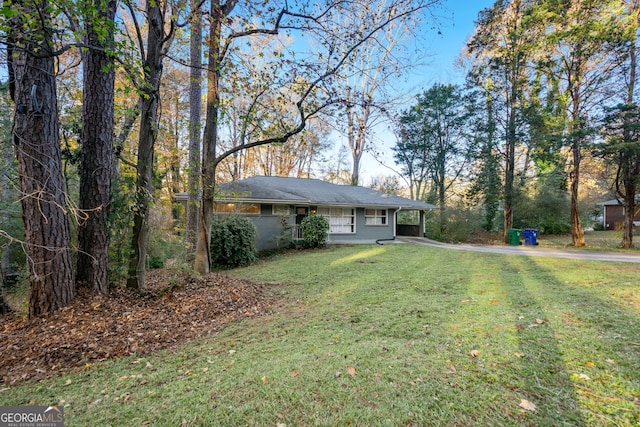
[595,240]
[394,335]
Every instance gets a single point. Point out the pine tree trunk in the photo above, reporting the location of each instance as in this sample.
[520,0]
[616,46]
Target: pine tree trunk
[97,157]
[37,145]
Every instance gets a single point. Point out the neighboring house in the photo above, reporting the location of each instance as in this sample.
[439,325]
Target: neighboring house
[277,206]
[613,218]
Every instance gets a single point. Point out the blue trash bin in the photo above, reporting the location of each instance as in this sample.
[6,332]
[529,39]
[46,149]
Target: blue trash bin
[530,236]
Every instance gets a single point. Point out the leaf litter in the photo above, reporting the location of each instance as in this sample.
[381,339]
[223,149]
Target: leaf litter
[97,327]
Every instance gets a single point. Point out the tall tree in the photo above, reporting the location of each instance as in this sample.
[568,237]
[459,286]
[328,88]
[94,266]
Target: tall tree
[158,40]
[36,140]
[575,49]
[501,47]
[487,183]
[195,128]
[366,82]
[436,129]
[622,125]
[96,159]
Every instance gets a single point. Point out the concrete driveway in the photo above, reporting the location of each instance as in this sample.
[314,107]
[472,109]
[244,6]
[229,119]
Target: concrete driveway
[527,250]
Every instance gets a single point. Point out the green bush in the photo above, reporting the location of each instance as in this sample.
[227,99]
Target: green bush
[460,225]
[314,230]
[233,241]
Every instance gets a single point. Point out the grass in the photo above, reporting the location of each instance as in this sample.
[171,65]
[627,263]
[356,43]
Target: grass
[390,335]
[595,240]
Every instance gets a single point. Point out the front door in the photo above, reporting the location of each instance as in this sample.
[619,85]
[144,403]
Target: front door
[301,213]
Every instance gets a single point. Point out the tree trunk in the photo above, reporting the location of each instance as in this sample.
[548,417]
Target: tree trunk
[146,144]
[509,171]
[629,214]
[575,133]
[577,232]
[210,139]
[37,145]
[97,154]
[632,159]
[195,105]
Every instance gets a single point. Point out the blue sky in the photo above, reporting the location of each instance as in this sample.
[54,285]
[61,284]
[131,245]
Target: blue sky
[457,26]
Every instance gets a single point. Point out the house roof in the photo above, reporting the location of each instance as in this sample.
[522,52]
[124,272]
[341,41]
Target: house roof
[271,189]
[616,202]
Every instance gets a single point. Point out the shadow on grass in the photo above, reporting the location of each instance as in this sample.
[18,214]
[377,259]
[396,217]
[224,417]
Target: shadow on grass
[545,380]
[567,336]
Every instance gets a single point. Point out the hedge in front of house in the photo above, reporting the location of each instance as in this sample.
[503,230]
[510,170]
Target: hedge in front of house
[233,241]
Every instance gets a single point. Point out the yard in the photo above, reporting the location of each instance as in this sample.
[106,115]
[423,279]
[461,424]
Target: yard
[395,335]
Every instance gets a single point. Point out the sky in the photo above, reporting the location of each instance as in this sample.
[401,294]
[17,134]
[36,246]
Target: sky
[457,25]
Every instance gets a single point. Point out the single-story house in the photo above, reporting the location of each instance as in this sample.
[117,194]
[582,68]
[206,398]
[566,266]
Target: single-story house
[277,206]
[613,217]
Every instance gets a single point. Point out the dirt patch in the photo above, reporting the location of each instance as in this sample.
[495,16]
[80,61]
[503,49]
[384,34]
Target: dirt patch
[174,309]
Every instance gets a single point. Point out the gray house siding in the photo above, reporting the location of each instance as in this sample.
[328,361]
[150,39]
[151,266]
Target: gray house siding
[366,233]
[270,231]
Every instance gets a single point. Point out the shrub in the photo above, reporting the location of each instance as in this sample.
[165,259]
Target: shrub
[314,230]
[232,241]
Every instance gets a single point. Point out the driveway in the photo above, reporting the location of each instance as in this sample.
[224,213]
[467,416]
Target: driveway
[527,250]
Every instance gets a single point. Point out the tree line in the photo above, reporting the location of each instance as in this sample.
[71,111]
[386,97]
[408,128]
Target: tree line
[549,84]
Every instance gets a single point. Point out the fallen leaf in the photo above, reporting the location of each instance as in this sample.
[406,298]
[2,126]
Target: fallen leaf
[539,321]
[281,425]
[351,371]
[184,422]
[610,361]
[527,406]
[87,366]
[68,381]
[265,380]
[338,373]
[475,353]
[584,377]
[294,373]
[590,364]
[495,302]
[519,354]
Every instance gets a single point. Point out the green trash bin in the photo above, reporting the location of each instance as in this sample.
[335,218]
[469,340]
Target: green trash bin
[514,236]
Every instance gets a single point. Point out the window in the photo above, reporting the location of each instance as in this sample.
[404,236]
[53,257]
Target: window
[375,217]
[245,208]
[341,220]
[280,210]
